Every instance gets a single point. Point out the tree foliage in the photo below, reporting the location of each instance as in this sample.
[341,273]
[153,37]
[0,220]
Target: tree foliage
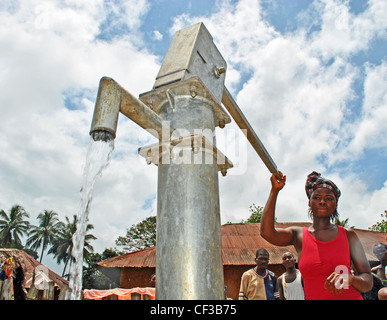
[382,225]
[45,233]
[343,223]
[140,236]
[13,226]
[63,244]
[255,214]
[93,278]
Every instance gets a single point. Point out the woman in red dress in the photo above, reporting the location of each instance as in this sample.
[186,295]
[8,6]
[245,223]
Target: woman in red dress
[325,250]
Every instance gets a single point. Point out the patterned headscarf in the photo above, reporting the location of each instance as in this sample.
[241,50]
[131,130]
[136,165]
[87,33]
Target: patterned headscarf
[315,181]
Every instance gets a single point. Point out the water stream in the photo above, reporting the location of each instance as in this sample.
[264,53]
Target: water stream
[99,151]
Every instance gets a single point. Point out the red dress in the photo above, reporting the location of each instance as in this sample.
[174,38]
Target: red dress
[319,260]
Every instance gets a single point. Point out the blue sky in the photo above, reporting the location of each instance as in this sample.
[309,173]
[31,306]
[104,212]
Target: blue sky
[310,76]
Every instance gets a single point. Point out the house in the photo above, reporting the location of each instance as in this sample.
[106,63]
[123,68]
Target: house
[32,270]
[239,244]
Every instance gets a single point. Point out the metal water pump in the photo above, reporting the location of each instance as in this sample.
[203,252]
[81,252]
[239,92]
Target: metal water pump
[182,111]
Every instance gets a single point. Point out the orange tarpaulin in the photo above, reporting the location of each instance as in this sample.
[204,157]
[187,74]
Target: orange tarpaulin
[122,294]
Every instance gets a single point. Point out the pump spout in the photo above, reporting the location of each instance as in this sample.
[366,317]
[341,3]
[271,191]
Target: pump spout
[100,135]
[107,107]
[113,99]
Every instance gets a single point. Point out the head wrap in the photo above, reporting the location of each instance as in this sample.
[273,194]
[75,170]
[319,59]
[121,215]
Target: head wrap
[380,250]
[315,181]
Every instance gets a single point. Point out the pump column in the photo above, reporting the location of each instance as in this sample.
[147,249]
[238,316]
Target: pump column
[189,254]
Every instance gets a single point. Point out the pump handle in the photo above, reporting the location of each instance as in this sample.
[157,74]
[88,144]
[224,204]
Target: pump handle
[240,119]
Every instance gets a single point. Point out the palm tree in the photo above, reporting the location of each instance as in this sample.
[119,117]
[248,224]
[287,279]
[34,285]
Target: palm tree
[63,244]
[13,226]
[44,234]
[343,223]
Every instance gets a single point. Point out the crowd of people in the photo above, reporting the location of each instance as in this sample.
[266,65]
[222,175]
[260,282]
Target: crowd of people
[331,260]
[259,283]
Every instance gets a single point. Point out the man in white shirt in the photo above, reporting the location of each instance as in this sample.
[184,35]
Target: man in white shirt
[290,283]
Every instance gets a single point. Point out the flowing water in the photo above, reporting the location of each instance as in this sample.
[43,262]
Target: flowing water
[97,159]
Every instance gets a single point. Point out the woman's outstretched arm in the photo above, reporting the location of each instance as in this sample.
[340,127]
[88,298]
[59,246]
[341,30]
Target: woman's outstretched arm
[280,237]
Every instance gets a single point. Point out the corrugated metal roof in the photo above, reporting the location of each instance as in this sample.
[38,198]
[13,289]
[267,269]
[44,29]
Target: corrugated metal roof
[239,244]
[141,258]
[240,241]
[368,239]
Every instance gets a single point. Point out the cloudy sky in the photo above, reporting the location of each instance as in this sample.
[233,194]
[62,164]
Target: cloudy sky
[310,76]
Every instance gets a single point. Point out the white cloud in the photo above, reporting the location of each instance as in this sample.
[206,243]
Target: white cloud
[371,131]
[343,33]
[157,35]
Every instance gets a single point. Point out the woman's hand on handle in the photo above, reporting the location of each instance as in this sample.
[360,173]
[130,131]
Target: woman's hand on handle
[278,181]
[280,237]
